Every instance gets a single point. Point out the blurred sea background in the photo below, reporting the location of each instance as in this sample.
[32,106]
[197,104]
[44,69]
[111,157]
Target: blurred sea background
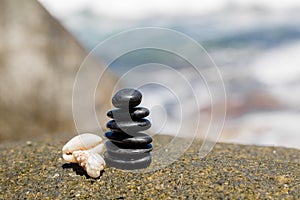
[255,44]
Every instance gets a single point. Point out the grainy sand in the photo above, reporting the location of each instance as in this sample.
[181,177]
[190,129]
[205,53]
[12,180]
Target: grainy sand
[36,171]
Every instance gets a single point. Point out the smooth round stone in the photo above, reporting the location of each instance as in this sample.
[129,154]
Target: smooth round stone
[129,126]
[117,148]
[139,139]
[128,114]
[127,157]
[127,165]
[126,98]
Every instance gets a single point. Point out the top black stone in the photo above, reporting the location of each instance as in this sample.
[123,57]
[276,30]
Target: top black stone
[127,98]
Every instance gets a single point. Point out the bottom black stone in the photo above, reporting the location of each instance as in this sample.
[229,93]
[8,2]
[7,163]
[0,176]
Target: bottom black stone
[127,157]
[120,149]
[127,163]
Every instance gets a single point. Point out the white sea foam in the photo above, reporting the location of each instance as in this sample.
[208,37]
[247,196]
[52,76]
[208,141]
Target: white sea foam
[279,70]
[279,66]
[280,128]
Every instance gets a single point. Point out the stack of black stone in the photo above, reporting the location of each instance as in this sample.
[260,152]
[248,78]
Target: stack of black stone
[128,148]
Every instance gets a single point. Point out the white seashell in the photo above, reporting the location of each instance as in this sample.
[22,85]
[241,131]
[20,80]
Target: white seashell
[85,150]
[85,141]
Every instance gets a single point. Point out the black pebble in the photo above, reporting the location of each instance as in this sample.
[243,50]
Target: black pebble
[128,126]
[138,139]
[127,157]
[126,98]
[127,165]
[117,148]
[128,114]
